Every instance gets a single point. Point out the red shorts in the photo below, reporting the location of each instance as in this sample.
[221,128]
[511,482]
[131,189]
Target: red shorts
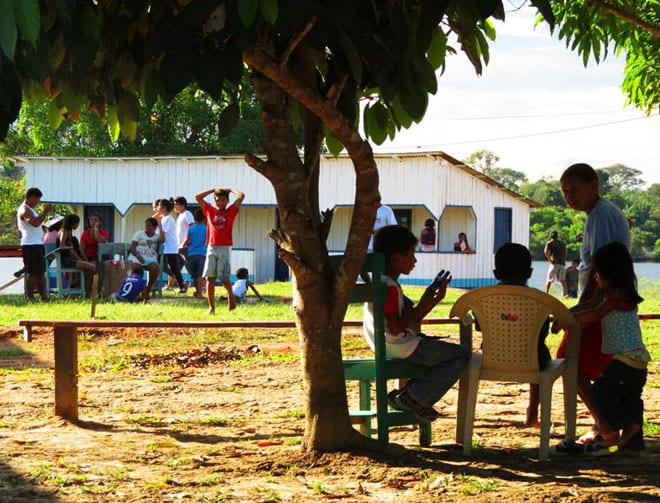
[592,361]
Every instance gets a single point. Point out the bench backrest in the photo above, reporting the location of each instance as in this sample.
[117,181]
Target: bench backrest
[371,288]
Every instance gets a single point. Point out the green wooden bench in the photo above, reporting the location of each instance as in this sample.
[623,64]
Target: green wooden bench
[380,369]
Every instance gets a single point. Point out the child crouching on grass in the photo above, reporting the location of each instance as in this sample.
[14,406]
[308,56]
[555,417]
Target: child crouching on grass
[403,340]
[241,285]
[132,288]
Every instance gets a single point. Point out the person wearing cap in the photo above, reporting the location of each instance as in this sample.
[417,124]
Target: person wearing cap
[29,222]
[555,252]
[51,229]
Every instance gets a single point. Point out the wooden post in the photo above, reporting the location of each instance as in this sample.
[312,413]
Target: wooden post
[66,372]
[27,333]
[95,286]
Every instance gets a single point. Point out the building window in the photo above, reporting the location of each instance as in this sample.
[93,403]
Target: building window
[403,217]
[453,221]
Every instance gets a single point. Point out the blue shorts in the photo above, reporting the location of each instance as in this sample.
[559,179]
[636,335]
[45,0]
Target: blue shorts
[196,265]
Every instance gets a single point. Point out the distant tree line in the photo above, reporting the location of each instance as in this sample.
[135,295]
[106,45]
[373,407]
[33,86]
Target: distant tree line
[620,185]
[190,124]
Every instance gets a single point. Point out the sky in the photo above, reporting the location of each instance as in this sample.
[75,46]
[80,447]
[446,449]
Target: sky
[537,107]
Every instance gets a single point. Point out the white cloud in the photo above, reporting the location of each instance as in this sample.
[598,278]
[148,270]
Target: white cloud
[532,89]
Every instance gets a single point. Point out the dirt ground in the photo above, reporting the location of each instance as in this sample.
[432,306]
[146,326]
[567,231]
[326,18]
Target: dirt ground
[221,432]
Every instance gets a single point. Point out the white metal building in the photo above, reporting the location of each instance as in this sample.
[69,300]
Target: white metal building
[416,185]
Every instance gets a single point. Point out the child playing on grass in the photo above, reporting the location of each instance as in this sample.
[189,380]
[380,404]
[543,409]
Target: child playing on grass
[617,392]
[241,285]
[513,266]
[132,288]
[445,360]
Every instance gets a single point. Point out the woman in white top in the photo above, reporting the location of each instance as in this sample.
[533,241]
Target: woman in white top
[184,221]
[170,244]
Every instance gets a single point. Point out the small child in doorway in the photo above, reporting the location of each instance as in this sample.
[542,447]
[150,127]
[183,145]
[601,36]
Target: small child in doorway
[617,392]
[132,288]
[445,360]
[572,275]
[513,266]
[241,285]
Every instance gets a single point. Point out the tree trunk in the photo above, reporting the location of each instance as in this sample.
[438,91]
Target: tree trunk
[321,294]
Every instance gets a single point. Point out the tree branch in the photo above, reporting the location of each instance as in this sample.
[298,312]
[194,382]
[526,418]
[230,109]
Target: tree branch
[626,16]
[326,223]
[367,196]
[296,40]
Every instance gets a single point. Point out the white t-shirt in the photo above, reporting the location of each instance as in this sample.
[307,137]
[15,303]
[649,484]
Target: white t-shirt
[168,227]
[183,222]
[397,345]
[384,216]
[147,247]
[30,235]
[240,287]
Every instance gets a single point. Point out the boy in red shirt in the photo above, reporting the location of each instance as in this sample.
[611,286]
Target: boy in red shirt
[220,220]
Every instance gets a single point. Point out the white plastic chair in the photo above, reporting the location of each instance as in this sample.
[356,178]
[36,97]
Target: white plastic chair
[510,318]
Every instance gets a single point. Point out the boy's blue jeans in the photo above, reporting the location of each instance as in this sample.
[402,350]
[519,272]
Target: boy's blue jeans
[447,361]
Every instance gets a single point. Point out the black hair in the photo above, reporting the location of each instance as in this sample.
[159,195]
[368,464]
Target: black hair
[181,200]
[221,193]
[554,235]
[393,239]
[95,214]
[137,270]
[581,171]
[615,265]
[70,221]
[242,273]
[429,222]
[33,192]
[168,203]
[199,215]
[152,221]
[56,226]
[512,263]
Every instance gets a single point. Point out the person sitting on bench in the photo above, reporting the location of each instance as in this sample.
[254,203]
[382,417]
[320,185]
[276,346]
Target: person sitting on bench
[445,360]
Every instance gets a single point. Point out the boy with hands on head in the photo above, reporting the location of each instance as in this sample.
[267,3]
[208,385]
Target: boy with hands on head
[220,220]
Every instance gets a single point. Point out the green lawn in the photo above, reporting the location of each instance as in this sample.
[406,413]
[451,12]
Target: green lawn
[173,307]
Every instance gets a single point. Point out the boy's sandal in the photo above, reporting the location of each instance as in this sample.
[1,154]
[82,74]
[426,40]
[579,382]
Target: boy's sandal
[570,446]
[602,450]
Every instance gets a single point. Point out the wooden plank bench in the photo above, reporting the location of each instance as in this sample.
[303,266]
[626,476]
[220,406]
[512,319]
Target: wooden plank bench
[65,334]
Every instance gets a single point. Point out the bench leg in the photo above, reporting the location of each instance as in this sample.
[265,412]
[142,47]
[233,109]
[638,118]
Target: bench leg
[365,404]
[66,373]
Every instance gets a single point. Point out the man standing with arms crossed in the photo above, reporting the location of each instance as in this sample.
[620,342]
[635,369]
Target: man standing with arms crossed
[28,222]
[220,220]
